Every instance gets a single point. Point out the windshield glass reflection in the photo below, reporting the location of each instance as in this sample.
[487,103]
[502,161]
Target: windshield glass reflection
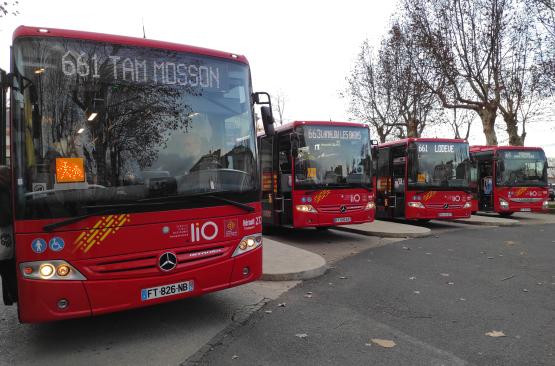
[106,123]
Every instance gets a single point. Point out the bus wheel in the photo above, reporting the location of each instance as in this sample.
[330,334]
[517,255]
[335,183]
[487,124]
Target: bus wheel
[506,214]
[423,221]
[322,228]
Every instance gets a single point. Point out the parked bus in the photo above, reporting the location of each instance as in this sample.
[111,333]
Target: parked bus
[508,179]
[423,179]
[133,174]
[316,174]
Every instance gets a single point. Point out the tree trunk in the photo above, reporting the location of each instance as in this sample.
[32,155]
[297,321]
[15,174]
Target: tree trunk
[381,134]
[412,127]
[512,130]
[487,115]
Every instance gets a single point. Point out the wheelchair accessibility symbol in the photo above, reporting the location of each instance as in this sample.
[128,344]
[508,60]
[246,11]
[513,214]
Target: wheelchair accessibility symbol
[38,245]
[56,244]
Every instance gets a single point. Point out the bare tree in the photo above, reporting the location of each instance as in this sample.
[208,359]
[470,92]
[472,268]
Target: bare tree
[278,106]
[520,88]
[412,98]
[459,41]
[8,8]
[386,91]
[369,95]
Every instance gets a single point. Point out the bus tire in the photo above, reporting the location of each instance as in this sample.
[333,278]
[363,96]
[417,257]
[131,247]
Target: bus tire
[322,228]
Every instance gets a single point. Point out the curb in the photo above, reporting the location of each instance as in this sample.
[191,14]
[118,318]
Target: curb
[491,223]
[383,234]
[296,276]
[284,262]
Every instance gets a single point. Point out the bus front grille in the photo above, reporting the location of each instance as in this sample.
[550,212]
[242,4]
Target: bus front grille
[146,264]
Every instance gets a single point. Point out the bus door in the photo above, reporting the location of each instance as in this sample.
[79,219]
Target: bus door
[7,243]
[382,182]
[398,180]
[284,197]
[485,185]
[269,181]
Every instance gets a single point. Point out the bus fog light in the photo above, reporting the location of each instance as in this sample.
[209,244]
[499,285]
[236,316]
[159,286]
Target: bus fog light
[246,271]
[416,204]
[62,270]
[62,304]
[247,244]
[46,270]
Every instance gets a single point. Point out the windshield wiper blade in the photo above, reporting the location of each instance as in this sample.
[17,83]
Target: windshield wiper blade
[106,209]
[51,227]
[209,195]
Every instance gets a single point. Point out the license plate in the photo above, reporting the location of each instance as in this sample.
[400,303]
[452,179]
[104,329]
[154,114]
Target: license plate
[445,214]
[525,209]
[342,219]
[167,290]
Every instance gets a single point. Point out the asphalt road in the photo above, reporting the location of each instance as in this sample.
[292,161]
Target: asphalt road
[159,335]
[436,298]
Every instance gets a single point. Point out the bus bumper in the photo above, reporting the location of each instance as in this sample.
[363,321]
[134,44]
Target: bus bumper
[86,298]
[324,219]
[413,213]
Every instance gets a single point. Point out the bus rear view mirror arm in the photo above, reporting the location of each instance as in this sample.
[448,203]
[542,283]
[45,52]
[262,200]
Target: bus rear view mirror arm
[264,99]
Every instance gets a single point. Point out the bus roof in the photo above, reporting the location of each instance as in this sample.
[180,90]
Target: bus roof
[24,31]
[291,125]
[492,148]
[418,139]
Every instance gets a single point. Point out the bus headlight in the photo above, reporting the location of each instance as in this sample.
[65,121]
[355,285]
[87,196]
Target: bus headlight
[503,204]
[46,270]
[370,206]
[416,205]
[545,205]
[306,208]
[468,204]
[50,270]
[247,244]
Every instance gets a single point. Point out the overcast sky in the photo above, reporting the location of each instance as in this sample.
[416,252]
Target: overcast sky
[301,49]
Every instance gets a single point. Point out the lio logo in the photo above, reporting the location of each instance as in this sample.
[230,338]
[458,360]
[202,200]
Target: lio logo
[206,231]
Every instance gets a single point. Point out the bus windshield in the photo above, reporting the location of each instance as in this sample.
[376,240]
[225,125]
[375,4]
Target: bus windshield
[521,168]
[106,123]
[438,165]
[333,156]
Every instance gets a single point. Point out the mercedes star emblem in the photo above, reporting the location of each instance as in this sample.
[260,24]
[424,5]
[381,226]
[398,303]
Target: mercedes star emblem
[167,261]
[343,209]
[446,206]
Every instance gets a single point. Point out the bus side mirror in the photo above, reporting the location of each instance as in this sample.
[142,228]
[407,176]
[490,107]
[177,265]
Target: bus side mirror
[375,151]
[295,147]
[267,120]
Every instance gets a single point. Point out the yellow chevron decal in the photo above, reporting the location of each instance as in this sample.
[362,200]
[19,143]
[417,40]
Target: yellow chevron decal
[100,231]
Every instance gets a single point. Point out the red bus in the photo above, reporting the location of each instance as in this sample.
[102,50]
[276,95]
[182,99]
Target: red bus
[132,176]
[423,179]
[508,179]
[316,174]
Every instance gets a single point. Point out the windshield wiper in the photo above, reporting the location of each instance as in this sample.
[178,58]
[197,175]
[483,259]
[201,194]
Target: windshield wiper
[50,227]
[209,195]
[106,209]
